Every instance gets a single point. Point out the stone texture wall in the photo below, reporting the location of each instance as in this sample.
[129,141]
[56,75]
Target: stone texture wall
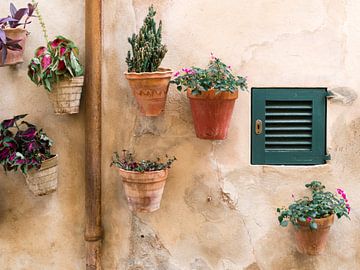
[218,212]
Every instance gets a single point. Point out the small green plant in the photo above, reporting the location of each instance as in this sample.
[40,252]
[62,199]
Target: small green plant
[127,162]
[217,76]
[147,51]
[321,205]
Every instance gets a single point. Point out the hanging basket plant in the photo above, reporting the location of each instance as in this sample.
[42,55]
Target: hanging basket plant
[13,34]
[313,217]
[144,180]
[212,93]
[57,67]
[25,148]
[149,82]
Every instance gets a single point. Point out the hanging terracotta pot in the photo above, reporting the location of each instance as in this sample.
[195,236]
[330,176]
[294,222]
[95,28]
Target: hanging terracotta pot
[150,90]
[313,242]
[144,190]
[212,113]
[65,95]
[44,181]
[15,57]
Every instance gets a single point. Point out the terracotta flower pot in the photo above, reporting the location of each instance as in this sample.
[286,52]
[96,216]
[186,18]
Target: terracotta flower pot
[144,190]
[150,90]
[313,242]
[66,95]
[15,57]
[212,113]
[44,181]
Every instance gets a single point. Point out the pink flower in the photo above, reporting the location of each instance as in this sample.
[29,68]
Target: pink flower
[309,219]
[293,196]
[177,73]
[212,56]
[46,61]
[229,67]
[340,191]
[40,51]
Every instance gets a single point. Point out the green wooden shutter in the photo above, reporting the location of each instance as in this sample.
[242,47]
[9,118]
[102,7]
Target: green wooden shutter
[293,126]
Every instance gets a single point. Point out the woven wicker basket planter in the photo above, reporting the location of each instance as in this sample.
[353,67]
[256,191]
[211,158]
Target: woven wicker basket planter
[45,180]
[66,95]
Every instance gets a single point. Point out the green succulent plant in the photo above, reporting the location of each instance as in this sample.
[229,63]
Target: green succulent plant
[147,51]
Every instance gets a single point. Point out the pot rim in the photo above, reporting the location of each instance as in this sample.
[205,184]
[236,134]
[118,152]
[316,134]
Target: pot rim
[210,95]
[320,221]
[146,172]
[17,30]
[163,72]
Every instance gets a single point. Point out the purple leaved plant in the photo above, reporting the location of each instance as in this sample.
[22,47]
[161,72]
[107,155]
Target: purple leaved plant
[17,17]
[22,146]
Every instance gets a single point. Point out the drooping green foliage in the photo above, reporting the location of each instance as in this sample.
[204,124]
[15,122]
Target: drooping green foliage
[217,76]
[55,62]
[22,145]
[147,51]
[127,162]
[321,205]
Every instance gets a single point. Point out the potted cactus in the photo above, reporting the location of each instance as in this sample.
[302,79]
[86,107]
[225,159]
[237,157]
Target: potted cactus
[144,180]
[212,93]
[149,82]
[313,217]
[13,34]
[26,148]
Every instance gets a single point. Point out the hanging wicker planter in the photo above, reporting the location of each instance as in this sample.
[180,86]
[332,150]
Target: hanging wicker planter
[65,95]
[44,181]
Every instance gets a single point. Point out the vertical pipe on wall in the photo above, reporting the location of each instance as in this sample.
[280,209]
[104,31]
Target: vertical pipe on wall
[93,41]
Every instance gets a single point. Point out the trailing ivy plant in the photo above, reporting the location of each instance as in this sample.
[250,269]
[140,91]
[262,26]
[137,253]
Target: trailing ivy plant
[322,204]
[147,51]
[22,145]
[217,76]
[127,162]
[55,62]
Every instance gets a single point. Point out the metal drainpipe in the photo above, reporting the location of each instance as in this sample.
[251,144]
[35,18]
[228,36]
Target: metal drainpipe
[93,65]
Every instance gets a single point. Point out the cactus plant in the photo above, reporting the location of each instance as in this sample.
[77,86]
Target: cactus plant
[147,51]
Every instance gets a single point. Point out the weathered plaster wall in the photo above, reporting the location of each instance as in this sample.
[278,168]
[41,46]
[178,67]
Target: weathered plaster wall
[44,233]
[218,212]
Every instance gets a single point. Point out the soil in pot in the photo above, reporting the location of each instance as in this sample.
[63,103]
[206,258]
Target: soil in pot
[15,57]
[212,113]
[65,95]
[144,190]
[44,181]
[313,242]
[150,90]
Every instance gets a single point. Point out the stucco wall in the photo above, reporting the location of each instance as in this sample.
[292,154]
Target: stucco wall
[273,43]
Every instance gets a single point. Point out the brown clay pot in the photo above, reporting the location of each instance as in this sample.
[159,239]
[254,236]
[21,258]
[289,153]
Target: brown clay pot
[313,242]
[65,95]
[144,190]
[150,90]
[212,113]
[15,57]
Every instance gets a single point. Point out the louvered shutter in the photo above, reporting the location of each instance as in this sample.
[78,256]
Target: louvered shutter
[289,126]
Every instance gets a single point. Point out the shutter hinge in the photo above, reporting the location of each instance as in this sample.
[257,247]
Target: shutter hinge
[327,157]
[329,94]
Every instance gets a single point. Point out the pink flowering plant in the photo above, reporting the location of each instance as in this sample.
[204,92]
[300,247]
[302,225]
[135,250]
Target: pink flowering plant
[22,145]
[217,76]
[128,162]
[322,204]
[55,62]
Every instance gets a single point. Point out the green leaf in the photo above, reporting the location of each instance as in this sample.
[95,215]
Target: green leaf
[284,223]
[313,226]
